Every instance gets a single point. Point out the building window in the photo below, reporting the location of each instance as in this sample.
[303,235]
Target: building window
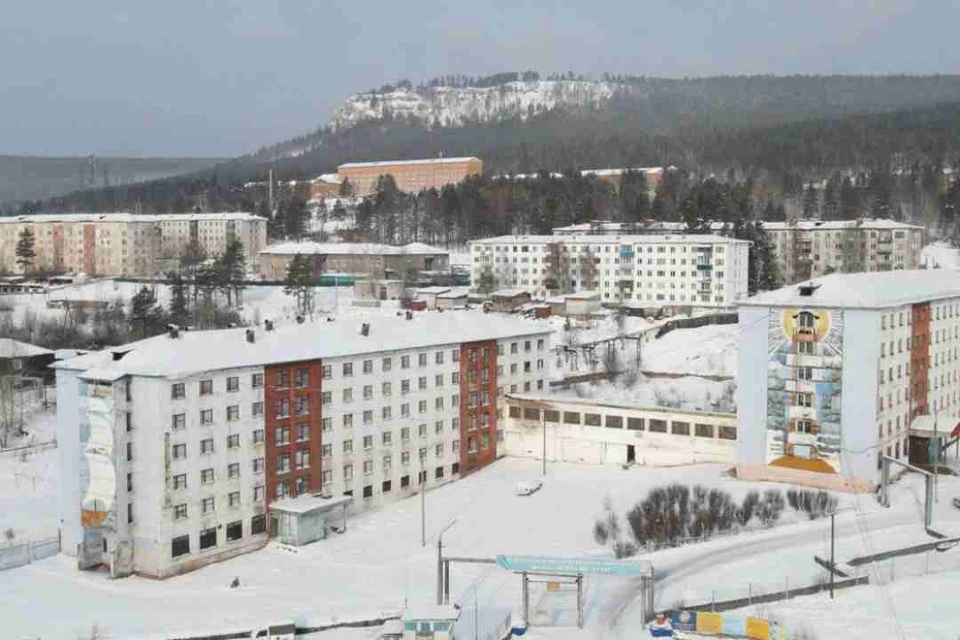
[283,463]
[438,449]
[386,438]
[180,481]
[385,389]
[256,409]
[206,476]
[208,538]
[301,459]
[233,498]
[179,421]
[257,436]
[233,470]
[571,417]
[256,380]
[282,490]
[438,357]
[282,379]
[206,416]
[658,426]
[327,477]
[348,472]
[281,435]
[680,428]
[233,383]
[303,432]
[347,369]
[206,387]
[703,430]
[368,366]
[385,413]
[259,491]
[302,378]
[180,512]
[804,373]
[283,407]
[728,433]
[303,405]
[438,472]
[805,400]
[233,441]
[404,482]
[180,545]
[367,467]
[326,372]
[404,362]
[206,446]
[386,364]
[405,433]
[258,524]
[234,531]
[233,412]
[404,458]
[179,451]
[178,391]
[591,419]
[207,505]
[347,420]
[455,355]
[257,465]
[804,426]
[326,424]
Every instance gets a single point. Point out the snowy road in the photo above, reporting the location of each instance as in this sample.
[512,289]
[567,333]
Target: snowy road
[777,557]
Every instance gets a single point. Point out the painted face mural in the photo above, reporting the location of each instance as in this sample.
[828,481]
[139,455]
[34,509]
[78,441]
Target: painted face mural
[804,367]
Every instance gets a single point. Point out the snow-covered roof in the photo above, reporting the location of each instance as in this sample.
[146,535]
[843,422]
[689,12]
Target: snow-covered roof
[306,504]
[452,295]
[612,240]
[509,293]
[584,295]
[395,163]
[330,178]
[128,217]
[618,172]
[871,290]
[431,612]
[436,290]
[350,248]
[10,348]
[198,351]
[837,225]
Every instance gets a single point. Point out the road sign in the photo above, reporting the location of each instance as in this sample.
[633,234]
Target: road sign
[573,566]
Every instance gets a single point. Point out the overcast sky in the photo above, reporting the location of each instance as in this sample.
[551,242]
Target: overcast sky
[223,77]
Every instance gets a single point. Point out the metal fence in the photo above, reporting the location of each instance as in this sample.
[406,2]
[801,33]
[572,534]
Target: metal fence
[921,564]
[17,554]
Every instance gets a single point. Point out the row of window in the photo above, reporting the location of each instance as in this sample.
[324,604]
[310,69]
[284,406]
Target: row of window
[347,447]
[208,476]
[208,538]
[208,505]
[178,390]
[655,425]
[179,450]
[386,486]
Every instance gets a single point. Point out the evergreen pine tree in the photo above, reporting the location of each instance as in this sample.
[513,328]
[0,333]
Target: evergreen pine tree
[179,308]
[299,283]
[26,251]
[146,316]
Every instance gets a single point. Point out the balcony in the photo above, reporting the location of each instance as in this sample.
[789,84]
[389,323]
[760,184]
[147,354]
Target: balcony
[702,266]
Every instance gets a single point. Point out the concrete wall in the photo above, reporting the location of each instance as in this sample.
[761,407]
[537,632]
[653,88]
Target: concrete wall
[68,460]
[861,347]
[752,386]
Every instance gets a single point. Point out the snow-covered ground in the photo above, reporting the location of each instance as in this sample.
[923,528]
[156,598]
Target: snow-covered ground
[940,255]
[378,564]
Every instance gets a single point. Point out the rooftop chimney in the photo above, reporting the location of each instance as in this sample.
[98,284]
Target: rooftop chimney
[251,336]
[365,329]
[268,325]
[409,315]
[806,290]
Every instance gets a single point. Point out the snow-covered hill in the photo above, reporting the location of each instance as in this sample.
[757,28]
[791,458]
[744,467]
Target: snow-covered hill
[451,106]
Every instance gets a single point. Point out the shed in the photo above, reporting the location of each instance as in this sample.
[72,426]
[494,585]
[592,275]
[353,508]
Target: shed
[509,300]
[305,519]
[25,359]
[429,295]
[452,300]
[558,305]
[430,621]
[583,303]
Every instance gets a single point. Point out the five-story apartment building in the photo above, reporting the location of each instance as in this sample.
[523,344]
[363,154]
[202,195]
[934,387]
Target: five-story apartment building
[650,271]
[173,448]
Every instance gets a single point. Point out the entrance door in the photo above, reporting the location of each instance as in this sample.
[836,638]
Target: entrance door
[631,454]
[274,526]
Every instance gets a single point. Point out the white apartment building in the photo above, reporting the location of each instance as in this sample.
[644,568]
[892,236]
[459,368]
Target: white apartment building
[811,248]
[124,244]
[649,271]
[171,449]
[836,371]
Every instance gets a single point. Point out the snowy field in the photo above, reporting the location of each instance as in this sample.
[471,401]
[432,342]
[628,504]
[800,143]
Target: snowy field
[378,564]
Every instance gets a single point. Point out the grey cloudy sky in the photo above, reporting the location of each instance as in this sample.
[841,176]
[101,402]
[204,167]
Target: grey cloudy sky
[223,77]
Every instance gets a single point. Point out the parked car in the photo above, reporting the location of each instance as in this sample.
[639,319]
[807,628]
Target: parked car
[528,487]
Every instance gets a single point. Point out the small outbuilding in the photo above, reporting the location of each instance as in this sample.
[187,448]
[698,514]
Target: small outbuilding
[305,519]
[25,359]
[508,300]
[452,300]
[429,295]
[434,622]
[583,303]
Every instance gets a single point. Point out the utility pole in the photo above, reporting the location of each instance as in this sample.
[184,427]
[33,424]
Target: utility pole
[936,459]
[543,419]
[440,577]
[423,505]
[833,565]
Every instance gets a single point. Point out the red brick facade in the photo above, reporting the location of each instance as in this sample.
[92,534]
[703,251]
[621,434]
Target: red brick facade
[302,407]
[919,359]
[478,405]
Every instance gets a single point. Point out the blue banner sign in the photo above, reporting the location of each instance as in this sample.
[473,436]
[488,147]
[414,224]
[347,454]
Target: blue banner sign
[573,566]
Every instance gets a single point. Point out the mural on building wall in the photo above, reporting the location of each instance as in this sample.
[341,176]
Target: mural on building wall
[98,484]
[805,363]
